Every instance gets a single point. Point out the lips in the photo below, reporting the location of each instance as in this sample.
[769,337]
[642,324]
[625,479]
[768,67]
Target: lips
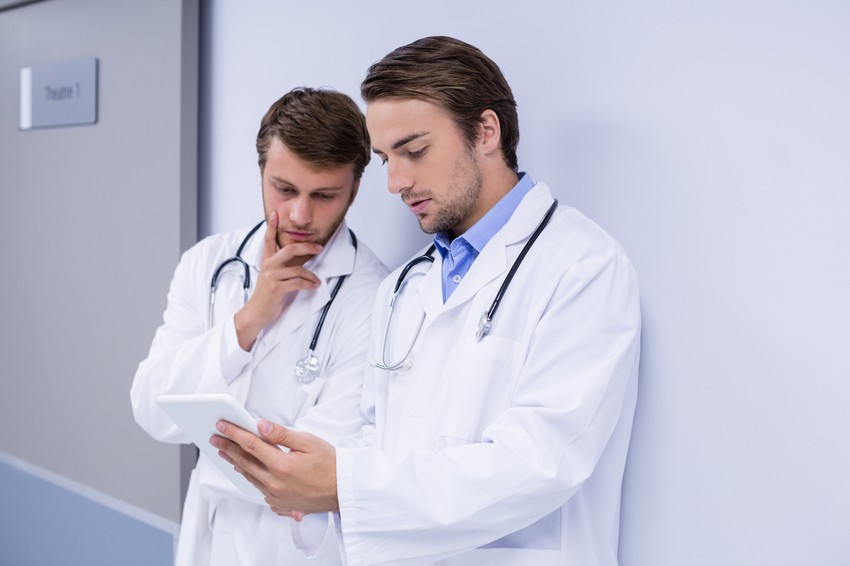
[416,203]
[298,236]
[417,207]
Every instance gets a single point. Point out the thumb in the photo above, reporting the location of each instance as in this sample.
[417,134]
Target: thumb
[282,436]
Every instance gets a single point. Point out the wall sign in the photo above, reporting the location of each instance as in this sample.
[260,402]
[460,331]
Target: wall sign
[59,94]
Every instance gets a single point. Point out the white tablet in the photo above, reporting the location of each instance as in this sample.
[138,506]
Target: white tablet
[197,414]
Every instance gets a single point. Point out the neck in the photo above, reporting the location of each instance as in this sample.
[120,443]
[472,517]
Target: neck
[494,186]
[504,180]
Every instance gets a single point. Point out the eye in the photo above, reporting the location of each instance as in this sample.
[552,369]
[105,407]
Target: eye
[418,153]
[383,161]
[324,196]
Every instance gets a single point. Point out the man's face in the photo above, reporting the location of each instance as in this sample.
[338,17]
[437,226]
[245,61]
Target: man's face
[310,202]
[428,163]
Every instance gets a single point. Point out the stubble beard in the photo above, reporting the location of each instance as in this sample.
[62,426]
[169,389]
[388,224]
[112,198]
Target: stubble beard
[320,238]
[467,181]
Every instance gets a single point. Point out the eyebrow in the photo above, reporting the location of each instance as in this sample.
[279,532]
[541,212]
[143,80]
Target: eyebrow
[283,181]
[403,141]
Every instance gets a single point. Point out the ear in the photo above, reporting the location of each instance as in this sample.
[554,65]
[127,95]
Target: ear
[489,132]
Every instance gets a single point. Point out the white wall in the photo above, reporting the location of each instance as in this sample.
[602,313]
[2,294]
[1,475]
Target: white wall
[713,140]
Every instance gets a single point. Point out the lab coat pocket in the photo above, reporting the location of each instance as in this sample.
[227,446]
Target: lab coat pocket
[292,402]
[308,394]
[278,394]
[477,390]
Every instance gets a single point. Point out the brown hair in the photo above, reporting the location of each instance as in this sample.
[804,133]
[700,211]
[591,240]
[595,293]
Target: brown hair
[321,126]
[454,75]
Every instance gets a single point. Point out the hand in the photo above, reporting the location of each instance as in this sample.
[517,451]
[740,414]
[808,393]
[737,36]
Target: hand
[303,478]
[276,280]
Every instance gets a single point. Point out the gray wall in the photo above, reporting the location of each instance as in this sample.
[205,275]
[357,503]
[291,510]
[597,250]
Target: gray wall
[92,220]
[712,139]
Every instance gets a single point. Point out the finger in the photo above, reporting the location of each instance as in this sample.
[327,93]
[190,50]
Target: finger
[224,455]
[251,478]
[254,454]
[251,469]
[284,511]
[296,515]
[284,274]
[270,239]
[296,249]
[261,487]
[233,454]
[276,434]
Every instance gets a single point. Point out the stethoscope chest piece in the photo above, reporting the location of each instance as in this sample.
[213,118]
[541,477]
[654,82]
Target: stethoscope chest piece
[307,368]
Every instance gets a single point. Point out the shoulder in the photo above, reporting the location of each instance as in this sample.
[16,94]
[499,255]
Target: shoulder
[571,251]
[367,265]
[363,283]
[577,253]
[358,291]
[393,275]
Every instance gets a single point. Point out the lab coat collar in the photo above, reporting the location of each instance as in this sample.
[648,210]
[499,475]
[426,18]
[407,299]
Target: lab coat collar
[493,260]
[337,259]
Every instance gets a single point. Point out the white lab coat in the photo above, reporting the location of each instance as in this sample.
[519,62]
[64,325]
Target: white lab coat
[188,357]
[508,451]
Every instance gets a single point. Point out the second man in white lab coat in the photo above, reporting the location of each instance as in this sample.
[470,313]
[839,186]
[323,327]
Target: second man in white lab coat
[312,148]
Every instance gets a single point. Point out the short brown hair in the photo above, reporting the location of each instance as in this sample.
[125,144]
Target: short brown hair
[454,75]
[321,126]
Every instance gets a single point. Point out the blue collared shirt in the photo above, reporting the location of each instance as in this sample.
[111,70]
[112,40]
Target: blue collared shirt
[459,254]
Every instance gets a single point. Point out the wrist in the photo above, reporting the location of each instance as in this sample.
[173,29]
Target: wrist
[246,332]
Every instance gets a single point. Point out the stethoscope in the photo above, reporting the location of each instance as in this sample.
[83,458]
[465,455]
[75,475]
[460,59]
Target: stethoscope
[485,323]
[307,368]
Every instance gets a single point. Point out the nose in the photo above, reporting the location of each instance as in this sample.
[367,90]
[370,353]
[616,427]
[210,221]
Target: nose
[399,177]
[301,211]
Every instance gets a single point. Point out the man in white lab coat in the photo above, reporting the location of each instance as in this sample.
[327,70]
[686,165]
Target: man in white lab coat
[498,418]
[312,146]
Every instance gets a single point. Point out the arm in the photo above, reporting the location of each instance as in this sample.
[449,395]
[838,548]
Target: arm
[278,278]
[335,416]
[531,459]
[575,386]
[185,357]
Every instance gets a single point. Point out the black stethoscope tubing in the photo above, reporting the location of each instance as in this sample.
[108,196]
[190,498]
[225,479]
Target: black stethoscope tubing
[427,256]
[485,323]
[305,375]
[330,301]
[491,312]
[246,279]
